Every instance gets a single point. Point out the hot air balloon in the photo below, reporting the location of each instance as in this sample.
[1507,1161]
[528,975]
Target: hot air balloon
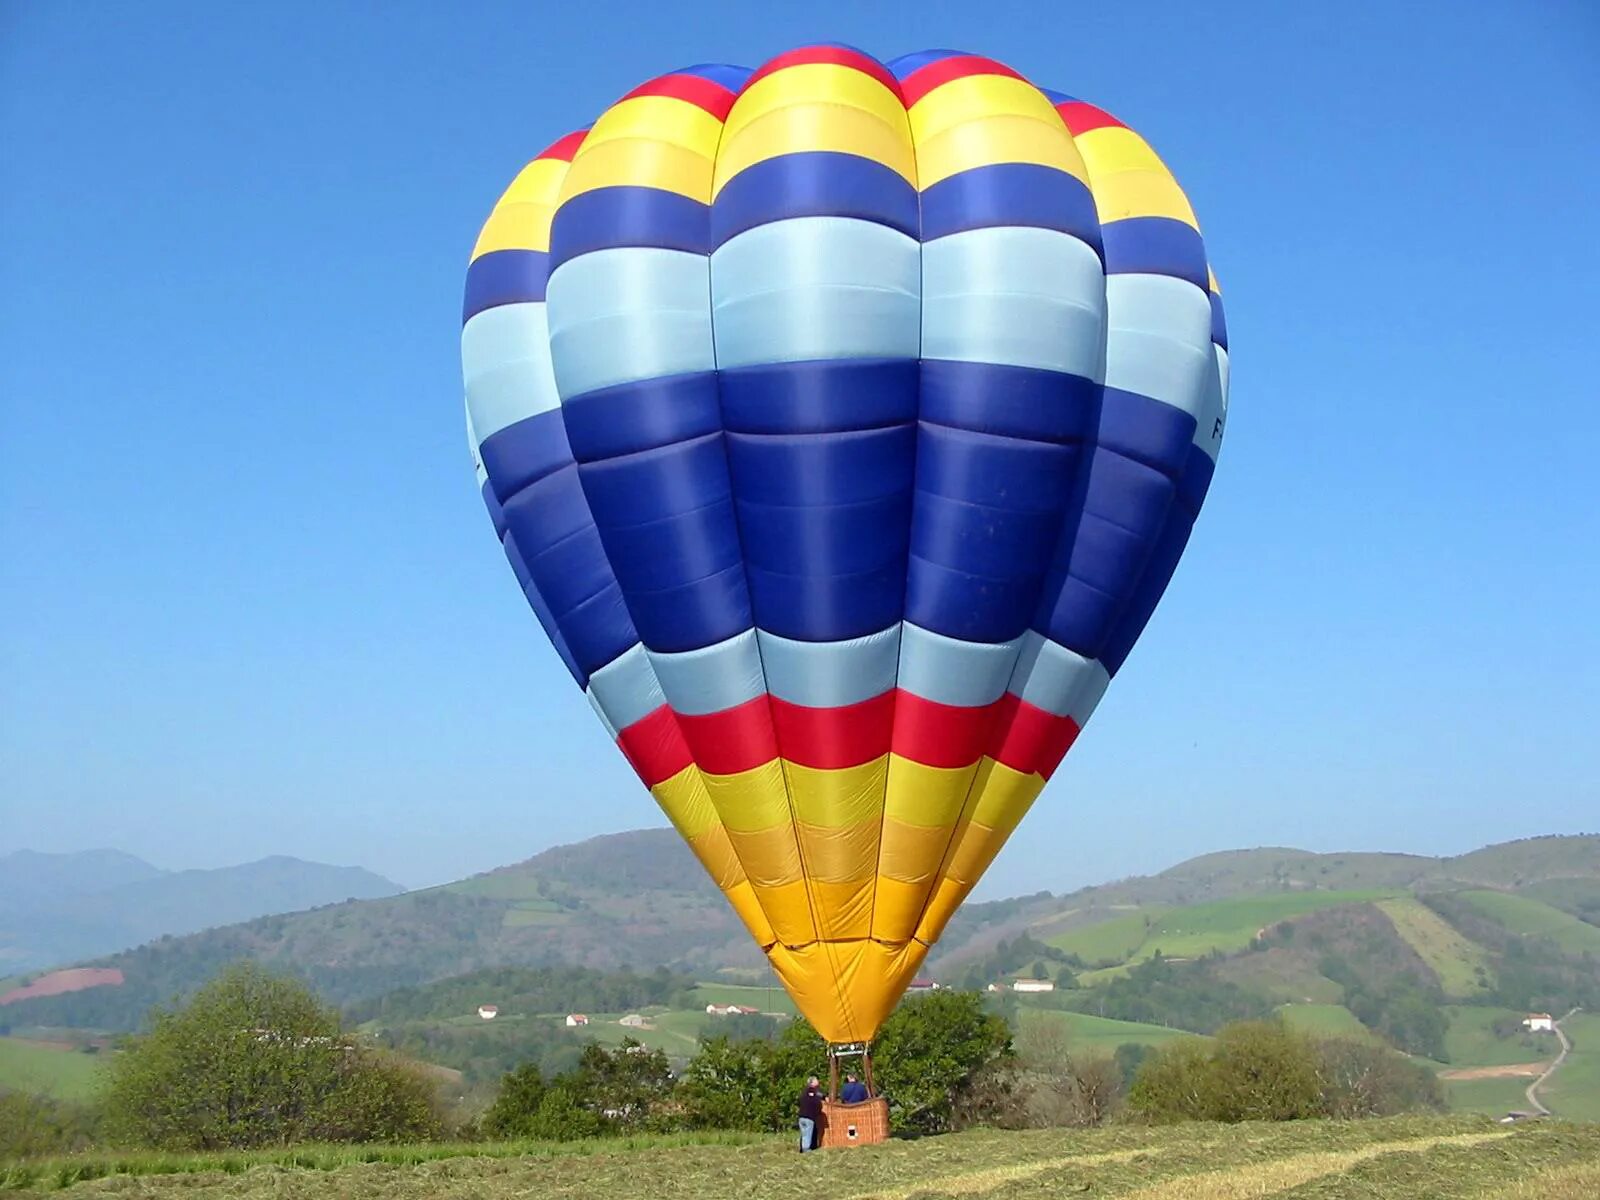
[843,423]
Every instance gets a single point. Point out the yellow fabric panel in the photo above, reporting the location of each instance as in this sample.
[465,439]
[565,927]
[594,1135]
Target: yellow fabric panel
[687,803]
[977,96]
[520,219]
[1002,796]
[897,906]
[656,119]
[1140,194]
[1113,148]
[912,852]
[753,800]
[1004,138]
[640,162]
[806,127]
[716,855]
[947,897]
[1211,279]
[974,849]
[837,854]
[748,907]
[846,989]
[811,84]
[771,857]
[922,795]
[839,797]
[843,909]
[788,909]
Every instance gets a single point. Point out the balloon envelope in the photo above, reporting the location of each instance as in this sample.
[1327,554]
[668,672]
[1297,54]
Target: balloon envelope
[843,423]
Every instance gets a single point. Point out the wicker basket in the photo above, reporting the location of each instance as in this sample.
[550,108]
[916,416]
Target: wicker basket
[863,1124]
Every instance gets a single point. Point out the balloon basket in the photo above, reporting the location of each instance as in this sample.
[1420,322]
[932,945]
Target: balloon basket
[862,1124]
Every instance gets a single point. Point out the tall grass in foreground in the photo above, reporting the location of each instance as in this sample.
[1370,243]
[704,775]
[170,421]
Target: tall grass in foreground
[65,1170]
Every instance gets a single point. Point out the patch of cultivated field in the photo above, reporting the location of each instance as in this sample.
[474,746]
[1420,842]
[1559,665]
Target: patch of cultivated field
[1470,1039]
[1401,1159]
[1327,1020]
[1520,914]
[1085,1032]
[47,1069]
[1461,965]
[1574,1090]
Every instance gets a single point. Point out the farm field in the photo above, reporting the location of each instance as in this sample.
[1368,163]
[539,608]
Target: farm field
[1401,1159]
[1085,1032]
[1198,929]
[1327,1020]
[768,999]
[46,1069]
[1491,1097]
[1470,1040]
[1522,915]
[1461,965]
[1574,1090]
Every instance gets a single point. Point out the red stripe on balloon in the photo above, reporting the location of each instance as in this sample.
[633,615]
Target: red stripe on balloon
[941,735]
[830,739]
[566,147]
[840,56]
[703,93]
[924,79]
[1029,739]
[733,740]
[654,746]
[1081,117]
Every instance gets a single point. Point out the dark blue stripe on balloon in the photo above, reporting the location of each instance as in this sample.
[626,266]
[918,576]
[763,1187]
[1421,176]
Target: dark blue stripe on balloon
[642,415]
[1219,323]
[818,397]
[1147,430]
[828,608]
[504,277]
[693,616]
[497,516]
[813,184]
[1056,97]
[541,610]
[1155,246]
[638,488]
[722,74]
[902,67]
[822,469]
[826,541]
[1010,194]
[1024,402]
[609,217]
[524,452]
[1009,474]
[1163,561]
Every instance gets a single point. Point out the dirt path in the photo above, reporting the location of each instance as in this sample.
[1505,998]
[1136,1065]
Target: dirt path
[1533,1088]
[1510,1071]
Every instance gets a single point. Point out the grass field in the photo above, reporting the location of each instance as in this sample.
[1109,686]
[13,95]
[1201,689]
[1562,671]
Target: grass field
[1327,1020]
[1491,1097]
[1085,1032]
[1574,1090]
[1470,1041]
[768,999]
[1198,929]
[1403,1159]
[1523,915]
[1453,958]
[47,1070]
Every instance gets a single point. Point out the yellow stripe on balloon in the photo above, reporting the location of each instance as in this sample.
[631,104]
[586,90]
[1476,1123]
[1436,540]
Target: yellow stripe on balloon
[751,801]
[656,118]
[843,908]
[748,907]
[641,162]
[1211,279]
[998,139]
[804,128]
[520,219]
[1140,194]
[1113,148]
[977,96]
[840,797]
[814,85]
[846,988]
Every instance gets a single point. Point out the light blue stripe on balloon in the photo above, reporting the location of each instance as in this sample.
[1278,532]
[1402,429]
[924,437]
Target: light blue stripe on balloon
[948,670]
[712,678]
[816,288]
[1058,680]
[830,674]
[1208,430]
[633,313]
[505,366]
[1016,296]
[1158,339]
[625,689]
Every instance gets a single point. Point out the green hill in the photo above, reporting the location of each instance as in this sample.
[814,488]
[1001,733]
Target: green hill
[1462,966]
[48,1069]
[1524,915]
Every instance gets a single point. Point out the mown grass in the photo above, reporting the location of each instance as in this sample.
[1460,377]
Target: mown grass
[1454,959]
[48,1070]
[1490,1097]
[1085,1032]
[1110,941]
[1400,1159]
[1520,914]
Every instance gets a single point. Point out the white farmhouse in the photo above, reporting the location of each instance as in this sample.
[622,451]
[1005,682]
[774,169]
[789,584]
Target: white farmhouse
[488,1011]
[574,1019]
[1033,985]
[1539,1023]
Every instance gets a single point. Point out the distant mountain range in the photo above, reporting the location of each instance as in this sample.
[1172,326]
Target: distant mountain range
[640,900]
[58,908]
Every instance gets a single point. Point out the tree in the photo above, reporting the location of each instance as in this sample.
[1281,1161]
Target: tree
[254,1059]
[928,1051]
[1264,1071]
[515,1105]
[1174,1084]
[1360,1079]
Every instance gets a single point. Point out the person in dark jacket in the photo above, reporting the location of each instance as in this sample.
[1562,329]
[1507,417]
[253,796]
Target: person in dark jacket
[810,1114]
[854,1091]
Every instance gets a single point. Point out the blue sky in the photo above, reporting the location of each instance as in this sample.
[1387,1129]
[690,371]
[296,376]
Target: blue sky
[250,602]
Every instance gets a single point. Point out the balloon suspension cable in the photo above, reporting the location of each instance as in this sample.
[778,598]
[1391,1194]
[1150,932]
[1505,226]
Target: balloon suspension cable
[861,1050]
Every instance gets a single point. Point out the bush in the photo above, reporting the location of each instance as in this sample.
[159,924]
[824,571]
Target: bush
[1360,1079]
[256,1060]
[35,1125]
[930,1049]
